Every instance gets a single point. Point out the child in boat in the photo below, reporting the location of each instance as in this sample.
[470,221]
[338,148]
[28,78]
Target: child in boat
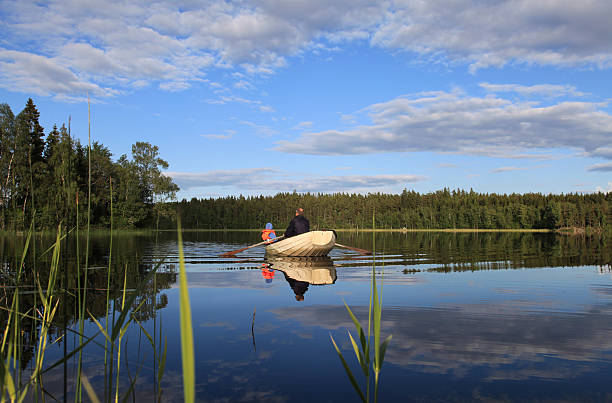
[268,234]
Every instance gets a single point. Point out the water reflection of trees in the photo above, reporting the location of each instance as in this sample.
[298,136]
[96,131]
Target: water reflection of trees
[487,250]
[124,265]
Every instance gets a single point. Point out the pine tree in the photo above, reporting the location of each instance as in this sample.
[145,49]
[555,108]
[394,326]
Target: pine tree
[7,144]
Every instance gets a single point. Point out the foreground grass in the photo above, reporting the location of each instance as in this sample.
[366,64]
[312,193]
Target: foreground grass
[363,350]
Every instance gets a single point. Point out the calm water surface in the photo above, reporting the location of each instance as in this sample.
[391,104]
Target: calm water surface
[487,316]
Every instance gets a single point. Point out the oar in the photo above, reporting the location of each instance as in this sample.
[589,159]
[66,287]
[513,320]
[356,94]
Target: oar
[232,253]
[362,251]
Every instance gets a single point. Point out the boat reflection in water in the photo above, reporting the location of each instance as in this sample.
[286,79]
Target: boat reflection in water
[300,272]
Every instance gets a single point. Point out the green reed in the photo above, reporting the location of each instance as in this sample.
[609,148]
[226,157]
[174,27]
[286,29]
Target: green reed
[369,365]
[83,301]
[186,327]
[10,339]
[12,388]
[17,391]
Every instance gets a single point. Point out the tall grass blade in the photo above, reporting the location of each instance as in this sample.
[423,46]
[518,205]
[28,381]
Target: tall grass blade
[359,354]
[362,338]
[121,333]
[130,390]
[186,327]
[375,327]
[108,277]
[377,320]
[145,332]
[8,382]
[89,389]
[70,355]
[102,330]
[383,350]
[162,366]
[25,251]
[253,329]
[348,371]
[119,323]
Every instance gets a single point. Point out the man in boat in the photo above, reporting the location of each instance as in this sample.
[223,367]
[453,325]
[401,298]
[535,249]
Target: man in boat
[298,225]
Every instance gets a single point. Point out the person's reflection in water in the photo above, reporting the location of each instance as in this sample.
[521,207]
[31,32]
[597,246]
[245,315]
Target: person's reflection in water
[267,272]
[298,287]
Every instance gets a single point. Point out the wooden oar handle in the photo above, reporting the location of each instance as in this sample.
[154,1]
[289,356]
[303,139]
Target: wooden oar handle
[362,251]
[232,253]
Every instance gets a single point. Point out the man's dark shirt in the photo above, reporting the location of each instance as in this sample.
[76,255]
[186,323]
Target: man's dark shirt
[298,225]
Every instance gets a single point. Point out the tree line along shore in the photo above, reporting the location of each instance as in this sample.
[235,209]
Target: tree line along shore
[440,210]
[47,180]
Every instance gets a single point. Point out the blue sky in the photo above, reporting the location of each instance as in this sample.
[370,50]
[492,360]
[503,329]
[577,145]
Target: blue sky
[260,97]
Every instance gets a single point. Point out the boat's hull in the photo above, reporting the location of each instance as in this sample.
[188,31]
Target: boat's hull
[313,243]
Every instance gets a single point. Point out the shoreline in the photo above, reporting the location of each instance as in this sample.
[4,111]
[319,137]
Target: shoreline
[401,230]
[144,231]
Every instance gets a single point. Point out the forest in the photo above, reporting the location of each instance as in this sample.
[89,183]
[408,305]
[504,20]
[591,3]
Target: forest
[443,209]
[53,178]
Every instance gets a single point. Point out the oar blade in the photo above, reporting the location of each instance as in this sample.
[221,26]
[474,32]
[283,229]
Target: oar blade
[232,253]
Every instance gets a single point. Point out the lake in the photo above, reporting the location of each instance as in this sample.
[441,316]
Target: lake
[481,316]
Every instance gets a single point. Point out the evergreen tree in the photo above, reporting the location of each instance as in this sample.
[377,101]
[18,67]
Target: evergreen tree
[7,155]
[28,123]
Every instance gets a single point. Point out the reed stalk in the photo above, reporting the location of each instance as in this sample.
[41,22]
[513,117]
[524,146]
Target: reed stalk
[186,327]
[78,312]
[84,299]
[9,386]
[50,304]
[121,333]
[108,277]
[362,350]
[46,304]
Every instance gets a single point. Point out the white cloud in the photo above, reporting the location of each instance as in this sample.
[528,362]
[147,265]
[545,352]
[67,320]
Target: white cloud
[258,180]
[238,177]
[507,169]
[445,340]
[225,99]
[228,135]
[302,126]
[560,32]
[117,43]
[548,90]
[259,129]
[603,152]
[43,76]
[168,42]
[243,84]
[526,156]
[266,108]
[605,167]
[457,123]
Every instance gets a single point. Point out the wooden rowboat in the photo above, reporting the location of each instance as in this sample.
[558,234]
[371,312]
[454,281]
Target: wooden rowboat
[313,243]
